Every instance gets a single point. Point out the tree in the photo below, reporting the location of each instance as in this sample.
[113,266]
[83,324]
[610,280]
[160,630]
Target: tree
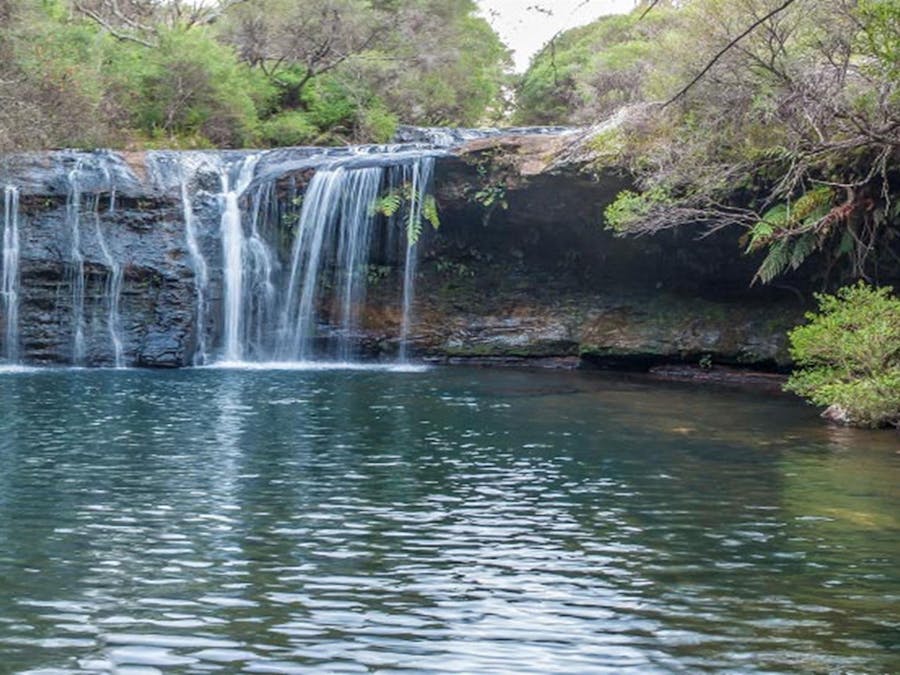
[188,90]
[793,133]
[145,22]
[51,88]
[354,68]
[294,42]
[240,72]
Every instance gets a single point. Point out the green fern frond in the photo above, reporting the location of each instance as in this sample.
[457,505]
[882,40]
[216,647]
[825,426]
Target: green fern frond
[776,261]
[413,231]
[803,247]
[388,204]
[778,216]
[430,211]
[808,207]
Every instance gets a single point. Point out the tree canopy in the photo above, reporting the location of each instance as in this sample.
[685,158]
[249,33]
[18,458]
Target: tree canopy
[138,73]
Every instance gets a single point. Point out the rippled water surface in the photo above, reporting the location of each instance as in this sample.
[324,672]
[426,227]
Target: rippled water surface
[448,520]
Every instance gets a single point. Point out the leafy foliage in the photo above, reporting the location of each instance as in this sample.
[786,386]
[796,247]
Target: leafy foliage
[588,72]
[848,355]
[144,73]
[430,211]
[389,204]
[631,207]
[791,232]
[288,128]
[404,202]
[792,134]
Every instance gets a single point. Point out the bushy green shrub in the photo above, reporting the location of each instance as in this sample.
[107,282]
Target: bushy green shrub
[378,124]
[848,356]
[288,128]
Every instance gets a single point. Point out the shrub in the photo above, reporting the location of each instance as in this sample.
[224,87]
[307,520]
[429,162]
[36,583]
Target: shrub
[848,356]
[288,128]
[188,87]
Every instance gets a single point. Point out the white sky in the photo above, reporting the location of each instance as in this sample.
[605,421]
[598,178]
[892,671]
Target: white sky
[525,29]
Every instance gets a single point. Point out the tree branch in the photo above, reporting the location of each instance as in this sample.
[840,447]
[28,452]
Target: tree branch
[653,3]
[112,30]
[756,24]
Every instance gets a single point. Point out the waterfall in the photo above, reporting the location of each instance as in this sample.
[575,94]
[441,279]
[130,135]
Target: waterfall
[76,270]
[420,179]
[300,232]
[290,312]
[337,211]
[9,290]
[260,293]
[113,285]
[233,248]
[201,271]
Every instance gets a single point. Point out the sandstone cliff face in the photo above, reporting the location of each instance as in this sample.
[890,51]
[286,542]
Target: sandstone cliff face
[123,205]
[542,279]
[520,268]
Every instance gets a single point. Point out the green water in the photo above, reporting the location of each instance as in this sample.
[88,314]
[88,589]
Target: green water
[451,520]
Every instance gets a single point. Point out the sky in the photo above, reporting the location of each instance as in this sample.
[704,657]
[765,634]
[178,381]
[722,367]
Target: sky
[526,29]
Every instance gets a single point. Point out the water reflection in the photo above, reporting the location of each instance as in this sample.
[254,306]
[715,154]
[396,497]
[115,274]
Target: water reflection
[437,521]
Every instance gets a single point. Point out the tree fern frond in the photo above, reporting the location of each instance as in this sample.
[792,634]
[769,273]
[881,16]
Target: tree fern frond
[803,246]
[775,263]
[816,201]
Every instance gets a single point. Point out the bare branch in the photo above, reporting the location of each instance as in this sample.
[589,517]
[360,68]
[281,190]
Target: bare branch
[110,28]
[726,49]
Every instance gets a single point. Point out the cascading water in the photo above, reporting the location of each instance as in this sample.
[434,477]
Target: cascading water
[332,247]
[419,180]
[307,305]
[233,246]
[113,285]
[9,290]
[302,231]
[337,207]
[260,293]
[201,270]
[76,270]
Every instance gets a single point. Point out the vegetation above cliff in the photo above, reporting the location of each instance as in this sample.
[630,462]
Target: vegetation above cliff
[793,132]
[139,73]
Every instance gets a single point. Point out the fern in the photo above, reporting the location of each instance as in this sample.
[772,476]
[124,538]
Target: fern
[413,230]
[812,206]
[404,198]
[430,211]
[788,232]
[760,234]
[803,247]
[387,205]
[777,260]
[778,216]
